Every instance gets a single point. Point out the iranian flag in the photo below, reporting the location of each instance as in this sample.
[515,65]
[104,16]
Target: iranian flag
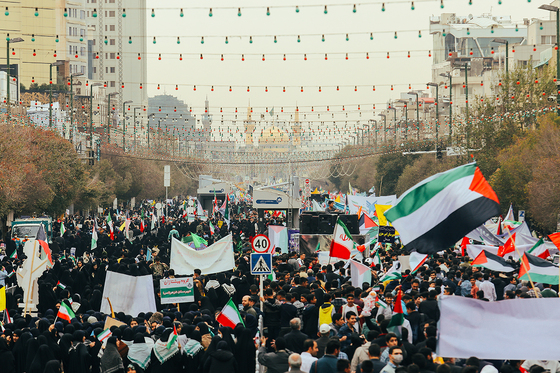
[539,270]
[229,316]
[65,312]
[440,210]
[42,239]
[212,229]
[540,250]
[395,325]
[360,273]
[104,335]
[62,229]
[493,262]
[172,337]
[110,224]
[342,243]
[416,260]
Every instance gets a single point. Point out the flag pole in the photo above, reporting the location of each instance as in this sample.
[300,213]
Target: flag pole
[522,262]
[30,273]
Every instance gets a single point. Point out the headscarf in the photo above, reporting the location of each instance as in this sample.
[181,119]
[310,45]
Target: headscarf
[7,357]
[160,348]
[43,356]
[140,351]
[52,366]
[111,360]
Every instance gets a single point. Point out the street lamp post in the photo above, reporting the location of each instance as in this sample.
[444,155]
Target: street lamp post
[124,124]
[109,115]
[417,113]
[448,75]
[72,103]
[57,63]
[384,128]
[136,108]
[437,113]
[405,102]
[91,112]
[552,8]
[8,41]
[394,122]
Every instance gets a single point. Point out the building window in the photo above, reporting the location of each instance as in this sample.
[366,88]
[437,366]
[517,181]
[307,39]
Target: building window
[94,69]
[93,42]
[82,51]
[82,69]
[111,1]
[93,1]
[106,69]
[82,14]
[111,41]
[82,32]
[112,55]
[113,84]
[111,27]
[69,49]
[69,31]
[112,70]
[111,13]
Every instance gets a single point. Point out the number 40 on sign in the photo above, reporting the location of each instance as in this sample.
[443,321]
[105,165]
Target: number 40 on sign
[261,243]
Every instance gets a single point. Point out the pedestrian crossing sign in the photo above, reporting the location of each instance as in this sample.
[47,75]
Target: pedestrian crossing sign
[261,264]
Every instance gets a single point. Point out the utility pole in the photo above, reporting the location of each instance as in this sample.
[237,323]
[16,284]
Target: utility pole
[124,124]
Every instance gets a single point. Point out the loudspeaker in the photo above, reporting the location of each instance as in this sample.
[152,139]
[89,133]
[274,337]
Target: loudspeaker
[308,224]
[351,222]
[326,223]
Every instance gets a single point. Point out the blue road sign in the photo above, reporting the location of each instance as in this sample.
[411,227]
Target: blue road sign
[261,264]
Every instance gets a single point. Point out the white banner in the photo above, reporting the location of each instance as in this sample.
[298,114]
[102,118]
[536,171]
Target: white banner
[176,290]
[368,203]
[518,329]
[215,258]
[128,294]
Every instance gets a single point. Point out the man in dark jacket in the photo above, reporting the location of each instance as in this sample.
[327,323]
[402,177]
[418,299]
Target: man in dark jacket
[295,338]
[429,307]
[327,364]
[276,362]
[271,309]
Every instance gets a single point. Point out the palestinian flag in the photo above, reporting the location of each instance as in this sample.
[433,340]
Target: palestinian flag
[62,229]
[42,239]
[65,312]
[440,210]
[342,243]
[394,273]
[360,273]
[60,285]
[110,224]
[539,269]
[416,260]
[380,303]
[395,325]
[229,316]
[104,335]
[539,250]
[493,262]
[509,246]
[172,337]
[366,224]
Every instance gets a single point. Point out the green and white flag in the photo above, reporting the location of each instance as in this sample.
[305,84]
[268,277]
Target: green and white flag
[394,273]
[94,236]
[62,229]
[104,335]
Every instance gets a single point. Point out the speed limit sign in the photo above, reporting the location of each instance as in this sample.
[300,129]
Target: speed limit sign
[261,243]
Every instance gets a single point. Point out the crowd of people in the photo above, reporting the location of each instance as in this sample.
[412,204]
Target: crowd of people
[313,319]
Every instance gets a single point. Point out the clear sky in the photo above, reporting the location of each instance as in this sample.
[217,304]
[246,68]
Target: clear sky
[286,24]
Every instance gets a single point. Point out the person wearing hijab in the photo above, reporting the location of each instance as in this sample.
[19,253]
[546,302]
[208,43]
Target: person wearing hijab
[43,356]
[111,361]
[79,359]
[226,334]
[7,358]
[140,352]
[65,344]
[221,360]
[205,333]
[20,352]
[164,359]
[31,348]
[212,347]
[245,351]
[52,366]
[192,352]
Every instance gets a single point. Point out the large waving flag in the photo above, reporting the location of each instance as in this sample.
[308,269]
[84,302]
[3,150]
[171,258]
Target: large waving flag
[342,243]
[416,260]
[111,228]
[395,325]
[539,270]
[366,224]
[42,240]
[540,250]
[493,262]
[394,273]
[65,312]
[360,273]
[94,236]
[440,210]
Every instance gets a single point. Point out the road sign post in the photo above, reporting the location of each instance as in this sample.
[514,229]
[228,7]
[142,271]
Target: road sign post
[261,243]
